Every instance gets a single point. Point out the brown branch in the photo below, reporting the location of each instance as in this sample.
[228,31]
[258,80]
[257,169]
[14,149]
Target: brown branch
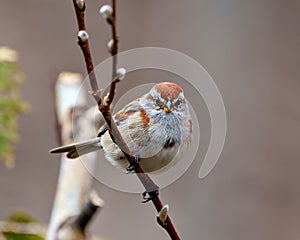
[150,186]
[87,53]
[114,52]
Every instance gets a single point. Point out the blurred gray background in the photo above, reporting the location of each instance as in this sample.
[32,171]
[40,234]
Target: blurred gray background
[250,48]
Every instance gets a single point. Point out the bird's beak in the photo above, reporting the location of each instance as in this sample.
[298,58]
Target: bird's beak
[168,107]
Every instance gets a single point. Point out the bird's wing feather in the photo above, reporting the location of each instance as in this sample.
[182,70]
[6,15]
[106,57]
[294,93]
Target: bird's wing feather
[127,111]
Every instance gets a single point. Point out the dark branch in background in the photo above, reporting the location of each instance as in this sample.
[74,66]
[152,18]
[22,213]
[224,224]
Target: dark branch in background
[104,105]
[89,210]
[77,224]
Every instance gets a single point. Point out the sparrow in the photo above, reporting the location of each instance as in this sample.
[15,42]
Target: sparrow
[157,128]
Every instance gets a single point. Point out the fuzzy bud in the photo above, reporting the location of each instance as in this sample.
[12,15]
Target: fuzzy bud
[83,36]
[110,45]
[106,12]
[121,72]
[80,4]
[163,213]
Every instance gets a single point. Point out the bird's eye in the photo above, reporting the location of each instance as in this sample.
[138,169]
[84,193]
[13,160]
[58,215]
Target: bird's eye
[177,103]
[158,105]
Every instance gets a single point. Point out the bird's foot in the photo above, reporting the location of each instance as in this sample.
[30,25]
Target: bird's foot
[134,165]
[149,196]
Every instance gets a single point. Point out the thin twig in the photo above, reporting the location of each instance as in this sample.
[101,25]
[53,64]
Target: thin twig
[150,186]
[87,54]
[114,52]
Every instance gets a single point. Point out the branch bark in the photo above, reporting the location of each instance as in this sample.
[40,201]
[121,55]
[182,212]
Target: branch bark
[74,180]
[104,107]
[114,52]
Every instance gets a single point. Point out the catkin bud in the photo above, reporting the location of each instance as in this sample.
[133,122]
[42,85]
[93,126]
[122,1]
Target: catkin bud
[83,36]
[163,213]
[121,72]
[110,45]
[106,12]
[80,4]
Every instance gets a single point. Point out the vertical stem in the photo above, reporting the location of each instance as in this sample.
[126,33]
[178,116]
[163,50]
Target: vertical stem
[114,52]
[74,180]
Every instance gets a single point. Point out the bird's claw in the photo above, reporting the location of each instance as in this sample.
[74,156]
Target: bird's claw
[134,165]
[149,196]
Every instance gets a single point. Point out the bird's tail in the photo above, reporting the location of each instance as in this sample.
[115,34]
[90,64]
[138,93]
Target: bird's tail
[77,149]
